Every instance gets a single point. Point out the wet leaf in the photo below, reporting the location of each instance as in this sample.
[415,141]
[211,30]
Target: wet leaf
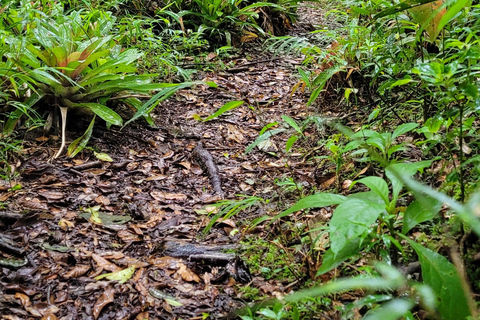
[104,263]
[106,298]
[162,295]
[77,271]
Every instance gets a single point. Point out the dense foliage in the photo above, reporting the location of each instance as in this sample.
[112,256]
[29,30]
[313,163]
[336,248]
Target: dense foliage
[410,70]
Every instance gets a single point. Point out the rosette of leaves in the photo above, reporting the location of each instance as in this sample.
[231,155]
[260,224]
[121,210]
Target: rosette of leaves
[76,63]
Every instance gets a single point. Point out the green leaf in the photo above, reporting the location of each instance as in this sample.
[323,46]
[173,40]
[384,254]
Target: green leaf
[443,278]
[400,82]
[420,211]
[377,185]
[103,112]
[226,107]
[121,276]
[352,218]
[156,99]
[314,201]
[402,6]
[392,310]
[79,144]
[290,142]
[404,128]
[338,286]
[331,260]
[262,137]
[102,156]
[457,6]
[292,123]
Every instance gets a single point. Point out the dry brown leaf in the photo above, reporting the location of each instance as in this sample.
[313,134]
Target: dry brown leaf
[187,274]
[143,316]
[50,316]
[105,264]
[24,299]
[160,195]
[420,14]
[102,200]
[105,298]
[51,194]
[77,271]
[165,262]
[65,224]
[128,236]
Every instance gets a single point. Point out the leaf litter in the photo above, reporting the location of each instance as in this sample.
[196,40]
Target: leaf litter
[117,234]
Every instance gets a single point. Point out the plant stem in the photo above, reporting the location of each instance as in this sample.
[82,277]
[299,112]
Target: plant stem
[63,111]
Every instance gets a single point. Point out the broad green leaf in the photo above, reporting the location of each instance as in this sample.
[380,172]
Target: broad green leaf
[392,310]
[226,107]
[103,112]
[352,218]
[314,201]
[405,170]
[401,6]
[292,123]
[404,128]
[377,185]
[443,278]
[121,276]
[79,144]
[331,260]
[400,82]
[420,211]
[290,142]
[453,11]
[305,77]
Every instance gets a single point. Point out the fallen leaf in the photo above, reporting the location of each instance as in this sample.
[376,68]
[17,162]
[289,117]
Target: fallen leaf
[160,195]
[24,299]
[187,274]
[105,298]
[77,271]
[104,263]
[121,276]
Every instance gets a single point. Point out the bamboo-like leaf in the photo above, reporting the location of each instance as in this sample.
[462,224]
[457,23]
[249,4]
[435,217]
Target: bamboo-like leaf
[226,107]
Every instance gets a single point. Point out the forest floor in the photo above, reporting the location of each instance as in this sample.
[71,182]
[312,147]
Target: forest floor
[145,212]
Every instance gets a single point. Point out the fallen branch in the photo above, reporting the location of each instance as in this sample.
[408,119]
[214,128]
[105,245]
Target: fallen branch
[206,158]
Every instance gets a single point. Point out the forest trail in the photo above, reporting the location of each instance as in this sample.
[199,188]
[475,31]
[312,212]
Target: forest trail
[144,212]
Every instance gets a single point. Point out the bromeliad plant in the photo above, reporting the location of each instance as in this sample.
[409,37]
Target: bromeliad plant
[76,63]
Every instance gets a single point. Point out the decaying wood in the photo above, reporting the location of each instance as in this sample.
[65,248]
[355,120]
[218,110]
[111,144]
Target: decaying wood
[197,252]
[206,158]
[8,246]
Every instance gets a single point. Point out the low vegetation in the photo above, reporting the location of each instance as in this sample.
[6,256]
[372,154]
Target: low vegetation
[398,164]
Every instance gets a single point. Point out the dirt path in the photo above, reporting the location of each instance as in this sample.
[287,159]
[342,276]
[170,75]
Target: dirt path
[74,220]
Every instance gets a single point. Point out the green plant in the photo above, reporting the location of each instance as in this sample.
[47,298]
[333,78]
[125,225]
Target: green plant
[76,63]
[226,209]
[382,142]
